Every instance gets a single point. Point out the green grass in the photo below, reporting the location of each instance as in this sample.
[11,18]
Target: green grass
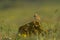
[12,18]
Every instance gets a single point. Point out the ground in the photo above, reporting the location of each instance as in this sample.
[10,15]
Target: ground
[19,13]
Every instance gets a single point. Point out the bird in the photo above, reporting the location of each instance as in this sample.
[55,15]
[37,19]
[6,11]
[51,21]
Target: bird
[30,28]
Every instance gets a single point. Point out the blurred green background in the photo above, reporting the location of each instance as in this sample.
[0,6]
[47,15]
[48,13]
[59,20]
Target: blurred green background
[14,13]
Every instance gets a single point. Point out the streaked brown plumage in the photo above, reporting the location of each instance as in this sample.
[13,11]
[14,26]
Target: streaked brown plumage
[31,27]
